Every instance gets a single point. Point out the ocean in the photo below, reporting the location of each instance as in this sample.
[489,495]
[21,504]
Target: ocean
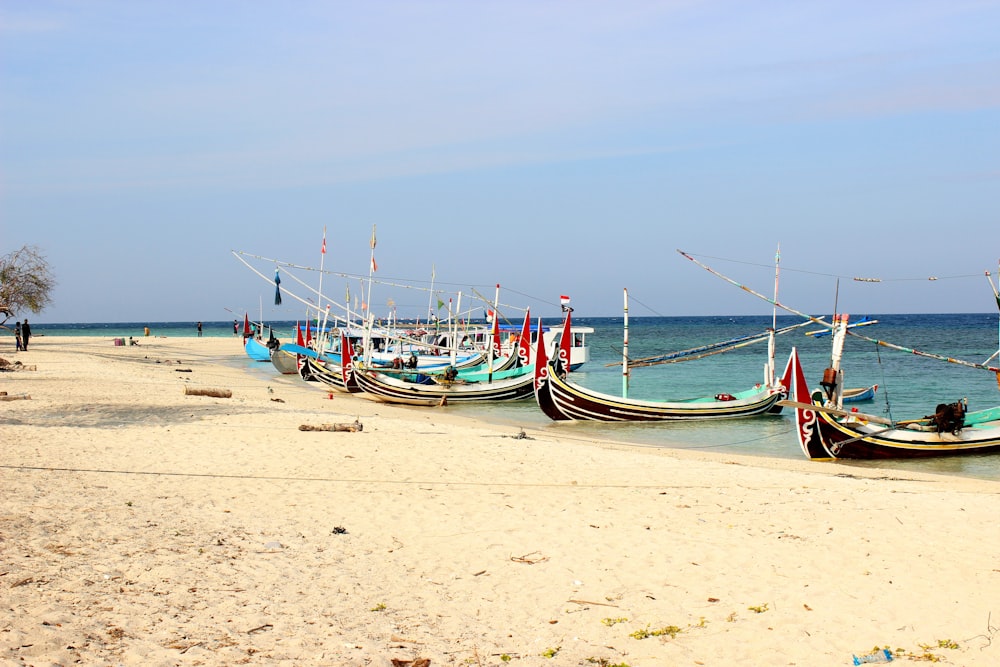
[909,385]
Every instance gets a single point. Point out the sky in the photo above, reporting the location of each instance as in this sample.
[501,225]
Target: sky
[551,147]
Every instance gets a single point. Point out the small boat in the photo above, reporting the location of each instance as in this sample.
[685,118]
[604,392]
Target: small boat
[562,400]
[859,394]
[257,350]
[317,370]
[505,385]
[285,362]
[499,389]
[826,431]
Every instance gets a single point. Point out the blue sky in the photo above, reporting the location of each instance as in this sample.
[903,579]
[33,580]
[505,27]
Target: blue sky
[552,147]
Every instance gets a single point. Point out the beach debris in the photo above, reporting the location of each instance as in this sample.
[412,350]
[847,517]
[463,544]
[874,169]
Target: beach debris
[416,662]
[273,546]
[260,628]
[352,427]
[600,604]
[15,366]
[530,558]
[339,530]
[877,655]
[277,400]
[4,396]
[215,393]
[182,370]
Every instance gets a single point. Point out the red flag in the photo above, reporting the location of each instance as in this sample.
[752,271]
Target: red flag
[298,336]
[496,336]
[246,325]
[524,343]
[322,250]
[565,344]
[374,265]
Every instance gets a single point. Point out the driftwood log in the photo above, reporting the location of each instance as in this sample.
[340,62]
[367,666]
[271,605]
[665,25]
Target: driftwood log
[18,397]
[15,366]
[350,428]
[216,393]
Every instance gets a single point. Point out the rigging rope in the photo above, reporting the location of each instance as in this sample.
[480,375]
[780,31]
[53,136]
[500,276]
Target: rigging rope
[859,279]
[849,332]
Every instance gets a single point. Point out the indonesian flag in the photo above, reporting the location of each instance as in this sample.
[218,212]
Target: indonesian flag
[564,300]
[322,249]
[374,265]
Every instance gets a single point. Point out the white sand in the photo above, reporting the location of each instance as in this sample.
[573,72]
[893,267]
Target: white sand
[143,526]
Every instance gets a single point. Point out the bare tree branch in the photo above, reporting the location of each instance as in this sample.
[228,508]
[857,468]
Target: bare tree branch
[26,282]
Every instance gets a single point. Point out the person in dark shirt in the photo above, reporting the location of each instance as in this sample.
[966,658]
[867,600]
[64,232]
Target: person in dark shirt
[25,335]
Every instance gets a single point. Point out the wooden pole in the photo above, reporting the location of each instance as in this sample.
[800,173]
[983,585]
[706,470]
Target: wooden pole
[215,393]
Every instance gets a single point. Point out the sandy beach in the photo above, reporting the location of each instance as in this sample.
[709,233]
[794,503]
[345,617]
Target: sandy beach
[141,525]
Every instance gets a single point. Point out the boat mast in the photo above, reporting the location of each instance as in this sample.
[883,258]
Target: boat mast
[430,299]
[996,295]
[454,338]
[494,342]
[833,377]
[371,270]
[769,370]
[625,369]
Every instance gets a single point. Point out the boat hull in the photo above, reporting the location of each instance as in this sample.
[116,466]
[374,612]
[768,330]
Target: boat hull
[379,384]
[825,435]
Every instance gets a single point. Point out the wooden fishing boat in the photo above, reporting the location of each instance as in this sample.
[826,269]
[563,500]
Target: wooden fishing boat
[826,431]
[860,394]
[256,350]
[284,361]
[508,386]
[562,400]
[328,373]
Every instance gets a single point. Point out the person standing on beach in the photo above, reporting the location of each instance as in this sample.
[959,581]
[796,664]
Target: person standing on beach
[236,328]
[25,335]
[17,335]
[199,329]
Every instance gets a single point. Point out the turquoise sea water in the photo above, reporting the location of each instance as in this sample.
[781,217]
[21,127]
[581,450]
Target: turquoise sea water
[909,385]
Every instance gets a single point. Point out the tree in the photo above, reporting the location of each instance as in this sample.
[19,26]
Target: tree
[26,282]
